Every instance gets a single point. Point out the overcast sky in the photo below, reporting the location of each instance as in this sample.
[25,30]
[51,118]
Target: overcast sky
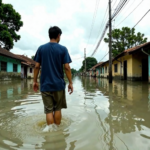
[75,18]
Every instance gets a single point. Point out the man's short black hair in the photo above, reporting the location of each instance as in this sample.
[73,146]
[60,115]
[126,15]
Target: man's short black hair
[54,32]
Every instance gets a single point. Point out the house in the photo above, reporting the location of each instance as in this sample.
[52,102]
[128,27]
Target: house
[102,69]
[131,64]
[27,67]
[94,71]
[10,65]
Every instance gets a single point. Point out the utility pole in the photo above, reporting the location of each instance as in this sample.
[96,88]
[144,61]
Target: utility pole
[110,44]
[85,59]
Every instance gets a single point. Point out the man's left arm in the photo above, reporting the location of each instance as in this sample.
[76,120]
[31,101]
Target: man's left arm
[36,73]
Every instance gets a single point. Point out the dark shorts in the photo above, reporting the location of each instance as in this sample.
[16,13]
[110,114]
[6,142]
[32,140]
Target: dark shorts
[54,101]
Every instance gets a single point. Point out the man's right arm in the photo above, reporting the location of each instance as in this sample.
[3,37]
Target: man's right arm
[69,76]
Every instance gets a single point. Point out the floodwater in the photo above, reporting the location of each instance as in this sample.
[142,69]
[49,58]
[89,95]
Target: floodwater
[99,117]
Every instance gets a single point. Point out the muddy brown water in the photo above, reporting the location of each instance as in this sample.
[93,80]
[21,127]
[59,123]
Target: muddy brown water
[99,117]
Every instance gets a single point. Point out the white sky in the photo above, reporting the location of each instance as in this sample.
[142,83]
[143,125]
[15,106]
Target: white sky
[75,19]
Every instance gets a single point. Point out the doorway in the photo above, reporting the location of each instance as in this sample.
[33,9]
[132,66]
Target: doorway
[125,70]
[145,69]
[25,72]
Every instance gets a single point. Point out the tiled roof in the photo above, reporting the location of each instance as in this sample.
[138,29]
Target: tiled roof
[137,47]
[7,53]
[28,60]
[130,50]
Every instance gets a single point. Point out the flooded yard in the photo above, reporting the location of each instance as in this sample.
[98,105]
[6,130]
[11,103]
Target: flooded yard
[99,117]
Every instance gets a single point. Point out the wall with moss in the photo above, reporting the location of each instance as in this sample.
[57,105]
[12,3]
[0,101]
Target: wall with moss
[6,76]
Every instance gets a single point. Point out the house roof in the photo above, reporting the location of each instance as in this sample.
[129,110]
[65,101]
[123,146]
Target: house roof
[28,60]
[93,68]
[130,50]
[133,49]
[7,53]
[104,63]
[25,63]
[137,47]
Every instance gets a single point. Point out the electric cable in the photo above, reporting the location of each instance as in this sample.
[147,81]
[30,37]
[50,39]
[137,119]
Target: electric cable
[129,6]
[104,56]
[119,7]
[93,20]
[114,4]
[103,22]
[130,13]
[141,18]
[123,8]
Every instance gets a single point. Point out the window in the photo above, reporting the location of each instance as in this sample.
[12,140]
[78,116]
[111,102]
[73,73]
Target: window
[30,70]
[105,69]
[3,66]
[116,68]
[14,67]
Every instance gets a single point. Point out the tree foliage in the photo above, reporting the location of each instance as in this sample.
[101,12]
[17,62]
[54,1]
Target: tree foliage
[10,23]
[90,62]
[125,38]
[73,71]
[32,57]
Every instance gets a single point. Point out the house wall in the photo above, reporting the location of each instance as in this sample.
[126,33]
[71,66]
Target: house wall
[19,68]
[120,73]
[9,67]
[10,62]
[134,66]
[30,75]
[104,72]
[97,71]
[137,65]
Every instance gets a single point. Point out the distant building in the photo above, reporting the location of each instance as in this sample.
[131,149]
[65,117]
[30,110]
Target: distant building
[27,67]
[15,66]
[10,65]
[94,71]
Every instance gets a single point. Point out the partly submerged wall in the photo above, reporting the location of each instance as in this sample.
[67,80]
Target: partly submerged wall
[7,76]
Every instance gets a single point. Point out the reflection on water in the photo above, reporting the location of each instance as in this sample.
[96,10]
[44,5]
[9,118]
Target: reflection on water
[99,117]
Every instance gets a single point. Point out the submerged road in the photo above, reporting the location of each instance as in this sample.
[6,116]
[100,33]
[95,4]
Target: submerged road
[99,117]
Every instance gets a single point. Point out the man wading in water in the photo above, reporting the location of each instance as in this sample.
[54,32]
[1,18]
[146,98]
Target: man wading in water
[51,57]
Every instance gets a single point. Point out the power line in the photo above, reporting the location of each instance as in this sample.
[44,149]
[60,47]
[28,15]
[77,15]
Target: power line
[119,7]
[104,56]
[123,7]
[101,26]
[141,18]
[114,3]
[130,13]
[93,20]
[130,5]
